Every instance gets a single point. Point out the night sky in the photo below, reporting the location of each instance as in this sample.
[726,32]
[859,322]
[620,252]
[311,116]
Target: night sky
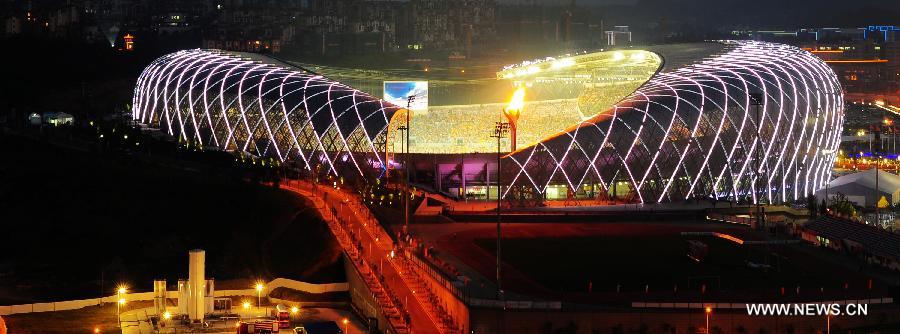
[757,14]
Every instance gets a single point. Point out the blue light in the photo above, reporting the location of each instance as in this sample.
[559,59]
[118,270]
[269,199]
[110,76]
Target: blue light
[883,29]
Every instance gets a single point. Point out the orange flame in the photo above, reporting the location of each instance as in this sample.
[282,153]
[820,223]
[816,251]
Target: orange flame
[516,103]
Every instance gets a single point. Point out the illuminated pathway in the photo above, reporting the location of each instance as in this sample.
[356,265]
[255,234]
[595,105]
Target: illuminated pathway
[398,289]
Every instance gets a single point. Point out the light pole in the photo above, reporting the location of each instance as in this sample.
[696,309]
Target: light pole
[406,161]
[708,311]
[259,289]
[120,302]
[756,101]
[501,129]
[346,323]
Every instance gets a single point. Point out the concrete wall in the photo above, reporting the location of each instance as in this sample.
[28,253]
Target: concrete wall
[361,298]
[142,296]
[455,307]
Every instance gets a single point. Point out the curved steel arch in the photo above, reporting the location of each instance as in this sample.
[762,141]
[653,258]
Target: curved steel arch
[691,132]
[263,109]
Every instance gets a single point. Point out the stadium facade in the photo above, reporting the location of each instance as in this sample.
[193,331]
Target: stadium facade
[249,103]
[730,120]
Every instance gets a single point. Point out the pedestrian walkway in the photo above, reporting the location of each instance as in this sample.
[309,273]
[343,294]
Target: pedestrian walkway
[399,288]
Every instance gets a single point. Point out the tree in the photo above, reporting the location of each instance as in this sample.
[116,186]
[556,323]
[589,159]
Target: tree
[841,205]
[824,207]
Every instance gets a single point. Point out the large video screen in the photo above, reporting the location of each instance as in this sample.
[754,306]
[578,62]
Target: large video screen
[396,92]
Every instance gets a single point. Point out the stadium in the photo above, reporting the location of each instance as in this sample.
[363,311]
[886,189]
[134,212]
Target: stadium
[658,124]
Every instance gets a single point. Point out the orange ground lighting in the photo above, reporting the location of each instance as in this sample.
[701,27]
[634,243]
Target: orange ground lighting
[857,61]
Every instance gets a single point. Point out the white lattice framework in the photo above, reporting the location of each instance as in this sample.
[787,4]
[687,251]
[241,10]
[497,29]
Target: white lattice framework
[688,132]
[239,103]
[692,132]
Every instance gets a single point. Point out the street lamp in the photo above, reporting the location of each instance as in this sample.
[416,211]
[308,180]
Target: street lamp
[259,289]
[294,312]
[708,311]
[120,301]
[346,325]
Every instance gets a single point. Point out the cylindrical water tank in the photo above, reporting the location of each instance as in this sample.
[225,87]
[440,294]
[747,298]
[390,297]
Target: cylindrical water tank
[196,285]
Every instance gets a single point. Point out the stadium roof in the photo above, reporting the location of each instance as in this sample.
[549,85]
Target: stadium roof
[875,240]
[676,56]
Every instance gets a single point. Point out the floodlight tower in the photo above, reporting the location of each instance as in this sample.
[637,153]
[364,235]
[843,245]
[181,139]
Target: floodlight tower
[406,162]
[501,129]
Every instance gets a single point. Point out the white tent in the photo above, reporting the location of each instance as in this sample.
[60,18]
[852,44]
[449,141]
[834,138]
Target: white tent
[860,187]
[58,118]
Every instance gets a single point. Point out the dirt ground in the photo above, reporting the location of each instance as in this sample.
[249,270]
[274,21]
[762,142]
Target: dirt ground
[84,320]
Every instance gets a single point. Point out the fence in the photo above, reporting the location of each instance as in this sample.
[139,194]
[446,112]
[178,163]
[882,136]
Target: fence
[145,296]
[515,304]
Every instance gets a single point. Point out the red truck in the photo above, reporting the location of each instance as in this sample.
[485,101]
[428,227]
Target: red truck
[258,327]
[282,315]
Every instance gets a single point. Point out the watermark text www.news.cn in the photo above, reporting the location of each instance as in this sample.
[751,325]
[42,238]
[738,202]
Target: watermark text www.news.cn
[850,309]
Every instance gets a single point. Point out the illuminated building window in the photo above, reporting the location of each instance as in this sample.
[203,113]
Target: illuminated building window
[129,42]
